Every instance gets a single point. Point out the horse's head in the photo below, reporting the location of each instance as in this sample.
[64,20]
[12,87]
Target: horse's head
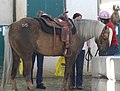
[116,7]
[87,29]
[104,41]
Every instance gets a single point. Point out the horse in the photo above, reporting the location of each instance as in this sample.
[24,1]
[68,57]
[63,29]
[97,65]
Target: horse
[25,36]
[115,18]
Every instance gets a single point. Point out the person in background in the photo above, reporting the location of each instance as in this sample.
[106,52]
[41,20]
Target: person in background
[113,49]
[40,58]
[77,77]
[39,76]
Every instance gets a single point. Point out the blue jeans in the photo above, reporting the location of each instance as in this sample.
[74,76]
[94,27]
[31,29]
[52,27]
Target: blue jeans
[78,79]
[113,50]
[40,58]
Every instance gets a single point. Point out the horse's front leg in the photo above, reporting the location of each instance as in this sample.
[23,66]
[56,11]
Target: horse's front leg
[27,64]
[67,82]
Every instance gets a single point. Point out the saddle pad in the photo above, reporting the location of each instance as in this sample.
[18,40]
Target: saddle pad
[50,30]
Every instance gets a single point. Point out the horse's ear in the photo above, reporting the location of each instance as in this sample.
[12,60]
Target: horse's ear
[116,7]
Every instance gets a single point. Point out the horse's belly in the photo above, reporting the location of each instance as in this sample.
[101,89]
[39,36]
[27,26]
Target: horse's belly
[47,45]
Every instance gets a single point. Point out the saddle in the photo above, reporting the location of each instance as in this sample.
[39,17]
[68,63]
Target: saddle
[63,23]
[50,21]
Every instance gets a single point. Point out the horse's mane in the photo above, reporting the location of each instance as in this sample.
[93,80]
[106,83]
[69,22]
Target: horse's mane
[88,28]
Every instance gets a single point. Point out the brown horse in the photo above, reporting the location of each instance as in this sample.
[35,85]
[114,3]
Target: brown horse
[26,36]
[115,18]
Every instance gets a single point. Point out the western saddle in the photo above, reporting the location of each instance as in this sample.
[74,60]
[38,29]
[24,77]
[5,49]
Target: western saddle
[61,22]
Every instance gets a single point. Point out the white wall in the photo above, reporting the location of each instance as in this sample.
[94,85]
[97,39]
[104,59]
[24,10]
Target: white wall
[6,10]
[88,8]
[109,5]
[21,9]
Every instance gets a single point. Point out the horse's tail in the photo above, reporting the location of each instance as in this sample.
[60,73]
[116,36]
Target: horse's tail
[8,60]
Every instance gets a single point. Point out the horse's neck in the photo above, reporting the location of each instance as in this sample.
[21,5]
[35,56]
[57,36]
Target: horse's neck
[115,11]
[87,29]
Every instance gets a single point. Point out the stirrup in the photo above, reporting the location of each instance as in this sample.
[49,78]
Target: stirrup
[65,53]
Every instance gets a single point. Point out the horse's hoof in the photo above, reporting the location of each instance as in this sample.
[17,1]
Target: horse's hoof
[15,90]
[32,89]
[63,89]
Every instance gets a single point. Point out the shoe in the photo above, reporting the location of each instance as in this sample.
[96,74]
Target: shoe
[41,86]
[79,88]
[72,88]
[27,88]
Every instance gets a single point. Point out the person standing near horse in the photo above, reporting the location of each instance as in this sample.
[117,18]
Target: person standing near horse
[113,49]
[40,59]
[77,79]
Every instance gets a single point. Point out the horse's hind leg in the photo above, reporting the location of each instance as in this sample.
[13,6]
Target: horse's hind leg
[14,70]
[27,64]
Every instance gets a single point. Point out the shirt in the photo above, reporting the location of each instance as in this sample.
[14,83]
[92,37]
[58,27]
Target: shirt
[114,37]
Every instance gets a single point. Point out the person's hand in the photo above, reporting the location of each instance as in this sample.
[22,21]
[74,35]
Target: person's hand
[89,49]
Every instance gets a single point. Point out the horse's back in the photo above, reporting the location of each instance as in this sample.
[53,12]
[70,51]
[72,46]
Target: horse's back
[26,35]
[24,23]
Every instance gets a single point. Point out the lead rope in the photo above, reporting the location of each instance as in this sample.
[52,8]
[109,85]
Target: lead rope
[96,52]
[88,57]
